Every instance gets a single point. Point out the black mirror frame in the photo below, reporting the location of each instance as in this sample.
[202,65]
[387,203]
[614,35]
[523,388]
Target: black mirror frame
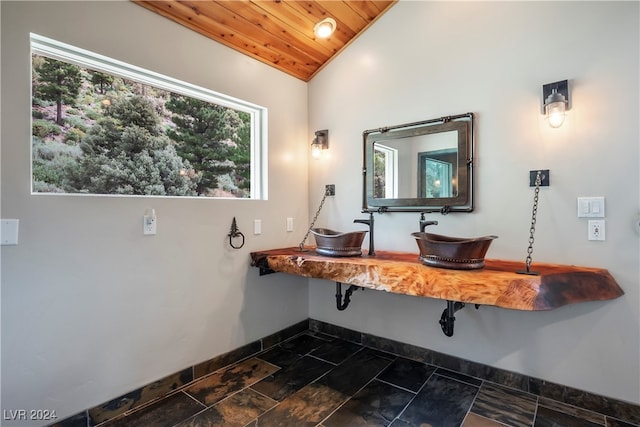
[463,202]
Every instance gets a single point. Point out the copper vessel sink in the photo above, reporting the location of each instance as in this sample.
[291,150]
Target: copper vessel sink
[452,252]
[335,243]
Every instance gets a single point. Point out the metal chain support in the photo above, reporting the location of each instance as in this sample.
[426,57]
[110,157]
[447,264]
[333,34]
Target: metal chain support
[315,218]
[534,213]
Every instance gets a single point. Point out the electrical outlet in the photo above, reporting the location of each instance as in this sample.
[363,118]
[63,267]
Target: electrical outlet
[149,225]
[330,189]
[596,229]
[289,224]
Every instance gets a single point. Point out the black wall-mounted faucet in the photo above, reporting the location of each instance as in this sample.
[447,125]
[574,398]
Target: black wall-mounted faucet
[424,222]
[368,222]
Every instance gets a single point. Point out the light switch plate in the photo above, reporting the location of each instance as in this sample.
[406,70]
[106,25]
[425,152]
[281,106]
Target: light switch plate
[591,207]
[9,232]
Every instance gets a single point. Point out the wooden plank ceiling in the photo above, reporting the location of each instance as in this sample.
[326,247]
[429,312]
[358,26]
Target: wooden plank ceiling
[276,32]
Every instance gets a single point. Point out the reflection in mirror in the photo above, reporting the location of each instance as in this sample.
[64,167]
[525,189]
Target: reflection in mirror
[424,166]
[438,173]
[385,172]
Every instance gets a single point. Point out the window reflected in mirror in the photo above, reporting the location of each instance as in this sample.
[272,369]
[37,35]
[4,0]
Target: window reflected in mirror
[385,172]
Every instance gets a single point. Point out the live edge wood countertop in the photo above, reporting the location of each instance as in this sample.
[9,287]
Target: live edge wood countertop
[496,284]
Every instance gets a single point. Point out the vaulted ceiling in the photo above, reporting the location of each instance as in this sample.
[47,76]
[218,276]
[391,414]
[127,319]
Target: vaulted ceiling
[276,32]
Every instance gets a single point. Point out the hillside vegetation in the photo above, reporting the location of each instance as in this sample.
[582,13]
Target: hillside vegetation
[101,134]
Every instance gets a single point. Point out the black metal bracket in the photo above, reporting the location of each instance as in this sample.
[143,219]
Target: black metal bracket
[448,319]
[544,177]
[234,233]
[263,265]
[265,270]
[340,304]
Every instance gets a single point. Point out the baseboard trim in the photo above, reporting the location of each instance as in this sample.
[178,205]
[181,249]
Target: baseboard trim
[150,393]
[593,402]
[159,389]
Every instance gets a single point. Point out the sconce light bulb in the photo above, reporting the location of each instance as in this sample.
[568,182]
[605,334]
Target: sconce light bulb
[555,114]
[320,143]
[316,151]
[555,107]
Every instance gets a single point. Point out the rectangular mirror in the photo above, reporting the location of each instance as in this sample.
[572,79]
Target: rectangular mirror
[419,167]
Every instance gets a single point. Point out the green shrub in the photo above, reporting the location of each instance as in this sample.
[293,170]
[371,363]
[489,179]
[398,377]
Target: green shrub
[76,122]
[73,136]
[42,128]
[87,99]
[45,187]
[50,150]
[53,165]
[41,102]
[92,115]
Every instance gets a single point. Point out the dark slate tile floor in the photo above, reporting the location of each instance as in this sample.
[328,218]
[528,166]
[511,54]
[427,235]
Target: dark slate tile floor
[320,381]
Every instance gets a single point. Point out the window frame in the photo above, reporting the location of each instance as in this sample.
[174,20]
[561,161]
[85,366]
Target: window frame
[390,169]
[54,49]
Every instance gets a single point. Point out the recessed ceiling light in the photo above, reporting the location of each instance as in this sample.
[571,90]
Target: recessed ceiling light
[324,28]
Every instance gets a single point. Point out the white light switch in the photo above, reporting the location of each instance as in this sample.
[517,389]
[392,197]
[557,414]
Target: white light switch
[257,226]
[583,207]
[289,224]
[590,207]
[9,232]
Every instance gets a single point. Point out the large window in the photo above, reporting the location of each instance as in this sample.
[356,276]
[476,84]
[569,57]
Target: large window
[100,126]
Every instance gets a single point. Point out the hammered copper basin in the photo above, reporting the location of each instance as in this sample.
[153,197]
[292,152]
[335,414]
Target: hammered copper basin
[452,252]
[335,243]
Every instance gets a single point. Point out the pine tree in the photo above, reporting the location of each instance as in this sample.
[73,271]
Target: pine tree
[241,155]
[125,153]
[102,80]
[58,82]
[206,135]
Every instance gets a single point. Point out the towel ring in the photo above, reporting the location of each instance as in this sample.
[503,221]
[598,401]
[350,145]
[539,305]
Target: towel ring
[231,237]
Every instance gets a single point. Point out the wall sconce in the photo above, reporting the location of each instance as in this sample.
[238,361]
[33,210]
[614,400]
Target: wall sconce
[325,28]
[320,142]
[556,102]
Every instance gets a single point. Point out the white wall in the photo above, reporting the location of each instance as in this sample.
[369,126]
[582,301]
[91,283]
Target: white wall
[424,60]
[91,308]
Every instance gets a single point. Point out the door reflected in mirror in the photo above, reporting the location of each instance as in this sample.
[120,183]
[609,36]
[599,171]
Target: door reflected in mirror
[438,173]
